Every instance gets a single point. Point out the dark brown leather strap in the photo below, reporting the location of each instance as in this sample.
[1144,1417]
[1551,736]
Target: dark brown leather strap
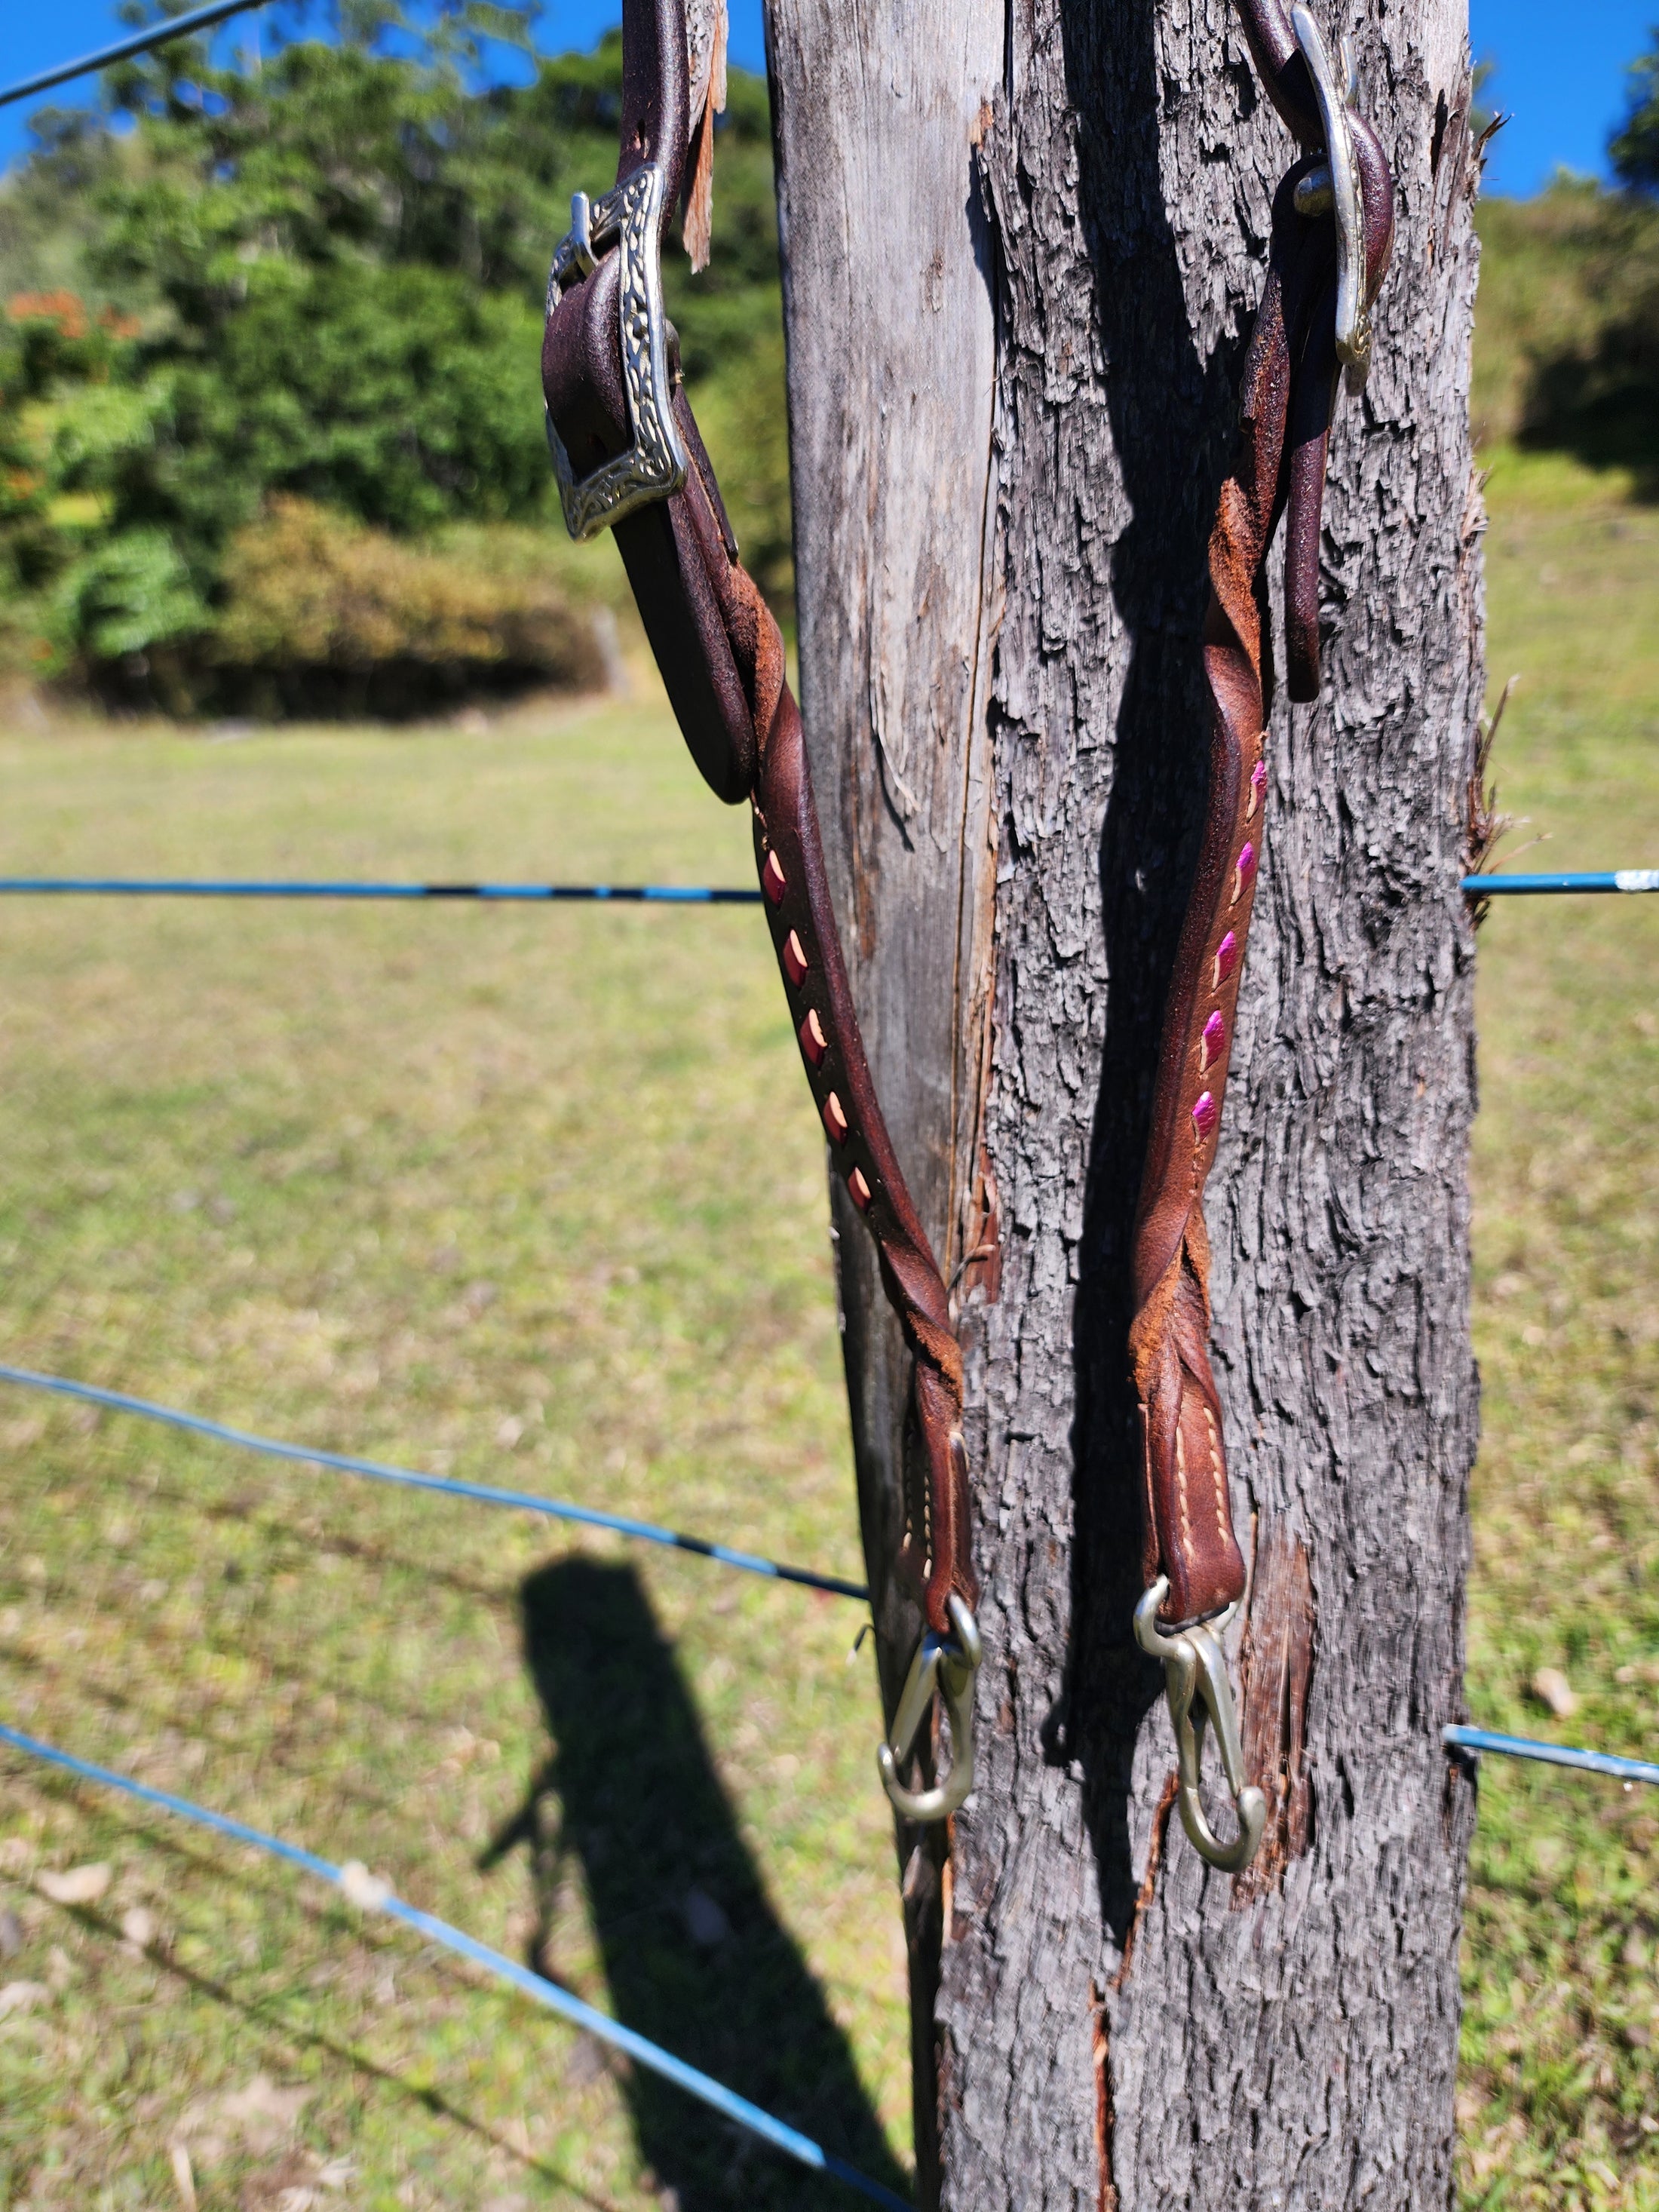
[722,661]
[1289,389]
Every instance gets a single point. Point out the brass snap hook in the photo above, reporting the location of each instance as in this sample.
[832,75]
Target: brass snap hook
[947,1664]
[1196,1685]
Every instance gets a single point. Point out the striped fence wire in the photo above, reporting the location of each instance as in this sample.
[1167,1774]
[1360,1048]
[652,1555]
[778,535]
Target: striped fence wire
[1612,879]
[409,1478]
[253,887]
[364,1891]
[1626,1771]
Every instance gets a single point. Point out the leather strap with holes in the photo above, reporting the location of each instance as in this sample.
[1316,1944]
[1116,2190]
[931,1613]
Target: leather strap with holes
[1289,388]
[722,661]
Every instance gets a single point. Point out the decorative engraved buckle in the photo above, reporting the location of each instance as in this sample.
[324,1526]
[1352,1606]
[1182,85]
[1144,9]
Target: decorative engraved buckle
[655,465]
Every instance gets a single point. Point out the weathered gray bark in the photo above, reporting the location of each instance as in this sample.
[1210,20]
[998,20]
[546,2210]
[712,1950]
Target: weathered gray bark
[1116,2026]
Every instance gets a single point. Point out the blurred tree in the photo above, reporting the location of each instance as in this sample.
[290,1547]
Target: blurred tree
[1567,351]
[1634,149]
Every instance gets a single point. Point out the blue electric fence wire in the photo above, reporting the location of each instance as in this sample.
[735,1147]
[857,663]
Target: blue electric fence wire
[237,887]
[1552,1754]
[597,2024]
[526,1501]
[154,34]
[1613,879]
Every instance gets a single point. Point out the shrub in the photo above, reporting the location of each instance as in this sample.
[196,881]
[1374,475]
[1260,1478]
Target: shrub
[321,280]
[323,616]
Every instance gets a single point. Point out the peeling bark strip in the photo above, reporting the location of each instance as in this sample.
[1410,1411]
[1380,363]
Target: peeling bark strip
[1274,1678]
[1300,2050]
[1148,1889]
[1106,2200]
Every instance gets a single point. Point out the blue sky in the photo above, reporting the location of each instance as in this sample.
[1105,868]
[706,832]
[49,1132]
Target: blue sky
[1559,67]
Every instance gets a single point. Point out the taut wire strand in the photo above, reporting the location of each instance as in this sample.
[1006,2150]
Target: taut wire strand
[1610,879]
[1550,1754]
[597,2024]
[140,42]
[253,887]
[409,1478]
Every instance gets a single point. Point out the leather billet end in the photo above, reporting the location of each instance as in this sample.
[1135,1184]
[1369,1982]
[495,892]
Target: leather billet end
[1305,469]
[1189,1527]
[675,549]
[1197,1548]
[1284,73]
[1376,198]
[656,117]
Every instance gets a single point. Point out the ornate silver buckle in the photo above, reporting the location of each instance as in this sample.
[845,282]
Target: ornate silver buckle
[1335,185]
[655,465]
[1195,1683]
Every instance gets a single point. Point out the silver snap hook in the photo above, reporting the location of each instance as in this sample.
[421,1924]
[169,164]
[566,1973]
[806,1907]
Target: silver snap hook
[1196,1685]
[947,1664]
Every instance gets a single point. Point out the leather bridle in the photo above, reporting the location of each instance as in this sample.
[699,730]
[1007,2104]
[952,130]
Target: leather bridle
[628,455]
[1333,227]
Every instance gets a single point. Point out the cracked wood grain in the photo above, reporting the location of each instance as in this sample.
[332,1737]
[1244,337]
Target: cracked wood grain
[890,324]
[1275,1676]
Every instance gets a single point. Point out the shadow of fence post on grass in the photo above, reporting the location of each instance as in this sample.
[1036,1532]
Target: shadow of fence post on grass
[695,1955]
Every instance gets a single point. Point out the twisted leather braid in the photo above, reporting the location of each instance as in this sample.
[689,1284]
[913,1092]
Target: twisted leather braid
[1289,389]
[722,661]
[789,858]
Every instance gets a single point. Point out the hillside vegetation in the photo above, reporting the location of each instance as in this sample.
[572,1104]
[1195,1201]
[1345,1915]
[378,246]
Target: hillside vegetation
[268,369]
[1566,351]
[321,280]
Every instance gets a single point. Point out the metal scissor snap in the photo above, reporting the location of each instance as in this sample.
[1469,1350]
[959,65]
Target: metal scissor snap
[947,1664]
[1196,1685]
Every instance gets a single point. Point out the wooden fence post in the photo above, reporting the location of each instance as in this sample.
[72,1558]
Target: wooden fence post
[1023,248]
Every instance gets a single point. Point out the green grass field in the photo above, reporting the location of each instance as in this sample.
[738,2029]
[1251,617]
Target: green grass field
[1560,2101]
[528,1196]
[536,1197]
